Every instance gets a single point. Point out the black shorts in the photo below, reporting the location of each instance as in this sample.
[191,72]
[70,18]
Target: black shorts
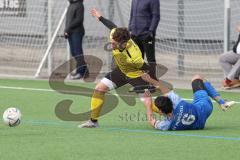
[120,79]
[197,85]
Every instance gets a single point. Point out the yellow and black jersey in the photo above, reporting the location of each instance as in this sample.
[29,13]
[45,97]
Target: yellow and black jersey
[130,60]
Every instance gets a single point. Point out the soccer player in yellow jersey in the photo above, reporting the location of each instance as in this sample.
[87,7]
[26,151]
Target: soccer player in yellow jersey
[130,67]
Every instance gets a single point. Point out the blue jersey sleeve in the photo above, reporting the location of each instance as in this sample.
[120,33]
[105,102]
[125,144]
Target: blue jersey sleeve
[174,98]
[163,125]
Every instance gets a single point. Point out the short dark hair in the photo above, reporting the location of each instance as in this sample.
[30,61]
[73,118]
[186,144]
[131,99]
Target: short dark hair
[121,35]
[164,104]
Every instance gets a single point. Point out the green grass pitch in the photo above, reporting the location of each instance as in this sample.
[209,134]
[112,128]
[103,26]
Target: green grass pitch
[124,132]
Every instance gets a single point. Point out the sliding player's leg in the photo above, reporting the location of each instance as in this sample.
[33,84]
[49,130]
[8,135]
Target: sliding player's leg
[201,99]
[212,92]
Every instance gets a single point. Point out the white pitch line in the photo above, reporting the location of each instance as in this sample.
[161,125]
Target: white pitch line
[68,91]
[27,89]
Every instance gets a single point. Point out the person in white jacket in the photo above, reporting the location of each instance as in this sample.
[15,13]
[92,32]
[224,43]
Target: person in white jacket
[230,63]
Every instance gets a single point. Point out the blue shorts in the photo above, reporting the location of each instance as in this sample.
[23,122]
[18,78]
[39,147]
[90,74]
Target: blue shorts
[203,104]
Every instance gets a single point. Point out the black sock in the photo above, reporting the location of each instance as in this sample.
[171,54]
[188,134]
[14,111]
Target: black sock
[94,120]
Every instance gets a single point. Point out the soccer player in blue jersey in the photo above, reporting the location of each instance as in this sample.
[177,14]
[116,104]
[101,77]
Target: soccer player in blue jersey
[179,114]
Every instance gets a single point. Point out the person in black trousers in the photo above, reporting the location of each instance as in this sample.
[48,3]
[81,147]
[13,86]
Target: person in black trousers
[74,32]
[144,20]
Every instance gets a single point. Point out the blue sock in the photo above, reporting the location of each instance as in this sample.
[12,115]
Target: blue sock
[212,92]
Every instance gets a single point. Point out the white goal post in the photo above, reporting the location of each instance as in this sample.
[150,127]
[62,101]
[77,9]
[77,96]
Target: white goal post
[50,44]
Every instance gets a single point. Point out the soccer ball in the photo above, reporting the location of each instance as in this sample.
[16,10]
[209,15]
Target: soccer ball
[12,117]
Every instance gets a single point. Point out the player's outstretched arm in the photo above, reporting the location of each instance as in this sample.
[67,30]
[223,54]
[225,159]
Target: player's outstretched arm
[148,105]
[157,124]
[155,83]
[109,24]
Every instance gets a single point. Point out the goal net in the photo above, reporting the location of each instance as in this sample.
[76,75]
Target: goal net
[189,39]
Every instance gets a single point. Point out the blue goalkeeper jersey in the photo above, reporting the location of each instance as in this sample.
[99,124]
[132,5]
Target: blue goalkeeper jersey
[186,116]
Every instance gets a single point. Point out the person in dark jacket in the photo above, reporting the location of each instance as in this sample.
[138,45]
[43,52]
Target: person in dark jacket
[74,32]
[144,20]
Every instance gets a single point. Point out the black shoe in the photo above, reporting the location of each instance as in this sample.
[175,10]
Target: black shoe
[142,89]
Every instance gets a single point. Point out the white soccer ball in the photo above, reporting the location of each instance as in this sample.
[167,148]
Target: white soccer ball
[12,117]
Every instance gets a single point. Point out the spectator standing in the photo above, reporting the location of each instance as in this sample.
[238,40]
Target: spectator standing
[74,32]
[144,20]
